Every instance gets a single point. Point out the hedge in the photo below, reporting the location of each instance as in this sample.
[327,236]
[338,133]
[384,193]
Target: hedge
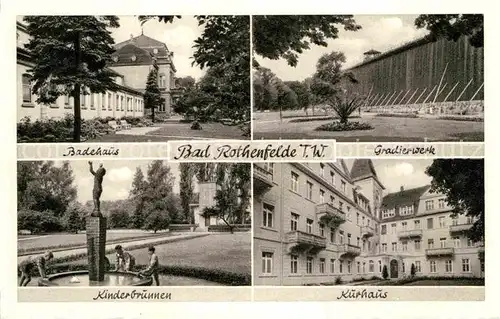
[407,115]
[408,280]
[226,228]
[319,118]
[462,118]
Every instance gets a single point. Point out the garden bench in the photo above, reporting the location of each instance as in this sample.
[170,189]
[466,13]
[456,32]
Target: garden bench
[125,125]
[115,126]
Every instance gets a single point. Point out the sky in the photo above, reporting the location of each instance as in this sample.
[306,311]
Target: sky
[117,181]
[394,173]
[379,32]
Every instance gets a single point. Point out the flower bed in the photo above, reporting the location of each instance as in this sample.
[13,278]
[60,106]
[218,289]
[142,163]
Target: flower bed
[349,126]
[462,118]
[407,115]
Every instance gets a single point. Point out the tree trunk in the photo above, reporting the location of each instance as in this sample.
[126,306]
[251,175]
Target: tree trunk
[77,121]
[153,114]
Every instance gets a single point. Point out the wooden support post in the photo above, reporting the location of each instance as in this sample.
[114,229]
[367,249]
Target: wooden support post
[451,91]
[368,96]
[440,82]
[439,93]
[418,98]
[370,102]
[387,97]
[392,100]
[403,97]
[463,91]
[472,98]
[428,96]
[382,96]
[411,97]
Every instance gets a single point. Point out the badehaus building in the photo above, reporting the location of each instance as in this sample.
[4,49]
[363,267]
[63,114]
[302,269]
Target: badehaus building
[316,222]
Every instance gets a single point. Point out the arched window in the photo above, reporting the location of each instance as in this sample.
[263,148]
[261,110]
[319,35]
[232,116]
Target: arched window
[26,88]
[371,266]
[162,83]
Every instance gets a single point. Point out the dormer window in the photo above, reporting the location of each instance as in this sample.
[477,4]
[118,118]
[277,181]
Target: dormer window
[155,51]
[134,58]
[115,58]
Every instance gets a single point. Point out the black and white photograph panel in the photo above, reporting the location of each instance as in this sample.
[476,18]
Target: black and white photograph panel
[132,78]
[369,222]
[133,223]
[369,78]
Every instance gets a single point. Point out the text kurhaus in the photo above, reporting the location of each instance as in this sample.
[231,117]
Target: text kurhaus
[362,294]
[401,150]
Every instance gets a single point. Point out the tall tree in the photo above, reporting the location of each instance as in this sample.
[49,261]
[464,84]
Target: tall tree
[186,82]
[70,54]
[287,36]
[453,26]
[152,96]
[74,217]
[136,196]
[462,181]
[186,189]
[302,92]
[265,89]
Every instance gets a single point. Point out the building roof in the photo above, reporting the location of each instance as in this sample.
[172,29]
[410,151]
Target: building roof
[143,42]
[125,53]
[404,197]
[363,168]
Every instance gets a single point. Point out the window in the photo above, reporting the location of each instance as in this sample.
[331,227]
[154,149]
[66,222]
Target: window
[465,265]
[321,196]
[117,103]
[341,206]
[26,79]
[332,199]
[349,215]
[122,102]
[418,266]
[383,229]
[403,267]
[384,247]
[470,220]
[267,262]
[357,219]
[92,97]
[442,242]
[454,220]
[309,265]
[363,221]
[448,266]
[332,235]
[322,230]
[430,223]
[358,269]
[410,209]
[322,170]
[309,226]
[371,266]
[267,216]
[430,243]
[441,203]
[405,245]
[348,239]
[357,241]
[417,245]
[66,100]
[429,205]
[442,222]
[162,81]
[294,222]
[417,224]
[394,246]
[341,237]
[349,267]
[294,264]
[268,167]
[402,210]
[332,178]
[322,266]
[332,266]
[309,194]
[393,228]
[379,266]
[432,266]
[404,225]
[470,243]
[456,242]
[341,266]
[294,182]
[342,186]
[386,213]
[364,267]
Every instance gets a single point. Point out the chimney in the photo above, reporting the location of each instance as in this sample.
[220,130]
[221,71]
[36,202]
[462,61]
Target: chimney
[402,188]
[371,54]
[131,36]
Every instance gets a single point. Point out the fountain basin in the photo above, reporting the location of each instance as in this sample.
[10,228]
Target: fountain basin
[110,279]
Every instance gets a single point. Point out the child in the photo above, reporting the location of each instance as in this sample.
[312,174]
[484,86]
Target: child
[124,260]
[27,265]
[152,269]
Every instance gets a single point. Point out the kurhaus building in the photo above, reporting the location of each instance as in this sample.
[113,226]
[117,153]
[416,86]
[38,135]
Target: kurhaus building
[131,62]
[316,222]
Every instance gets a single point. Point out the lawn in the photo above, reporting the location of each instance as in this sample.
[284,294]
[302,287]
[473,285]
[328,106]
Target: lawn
[451,282]
[230,252]
[386,129]
[52,240]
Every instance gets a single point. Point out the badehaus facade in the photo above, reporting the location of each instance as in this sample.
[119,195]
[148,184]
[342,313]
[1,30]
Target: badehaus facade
[316,222]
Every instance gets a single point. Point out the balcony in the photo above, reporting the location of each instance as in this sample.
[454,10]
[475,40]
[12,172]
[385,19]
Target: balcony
[412,233]
[349,250]
[461,228]
[299,241]
[367,231]
[262,180]
[324,209]
[440,252]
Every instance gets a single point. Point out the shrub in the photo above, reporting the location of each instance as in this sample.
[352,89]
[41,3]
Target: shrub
[462,118]
[196,126]
[385,274]
[412,270]
[348,126]
[359,279]
[226,228]
[407,115]
[319,118]
[246,129]
[338,280]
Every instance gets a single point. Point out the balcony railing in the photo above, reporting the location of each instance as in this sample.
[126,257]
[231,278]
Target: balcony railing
[301,241]
[460,228]
[262,180]
[437,252]
[412,233]
[328,209]
[349,250]
[367,231]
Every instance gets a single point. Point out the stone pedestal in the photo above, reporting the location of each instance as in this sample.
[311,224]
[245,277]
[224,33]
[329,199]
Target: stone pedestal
[96,247]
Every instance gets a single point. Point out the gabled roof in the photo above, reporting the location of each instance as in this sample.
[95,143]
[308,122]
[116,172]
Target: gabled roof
[143,42]
[404,197]
[344,168]
[125,53]
[362,169]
